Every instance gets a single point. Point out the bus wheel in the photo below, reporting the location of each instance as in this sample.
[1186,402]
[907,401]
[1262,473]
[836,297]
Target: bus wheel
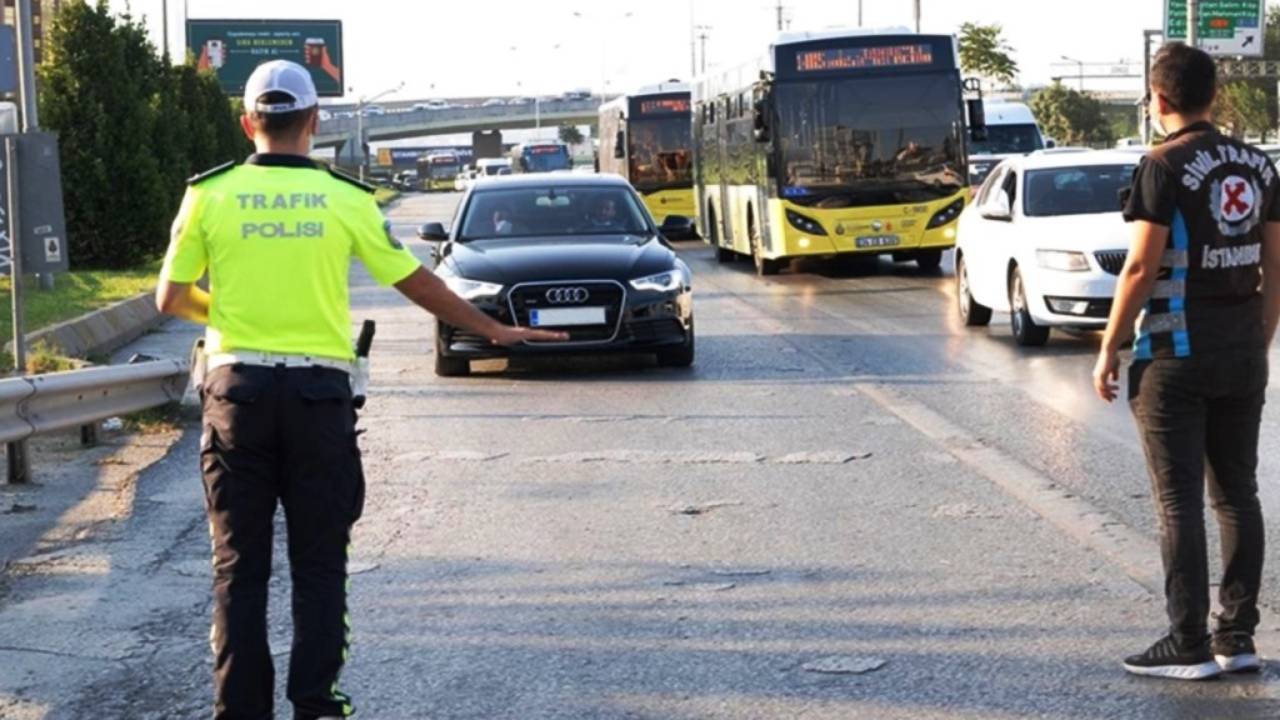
[764,266]
[929,260]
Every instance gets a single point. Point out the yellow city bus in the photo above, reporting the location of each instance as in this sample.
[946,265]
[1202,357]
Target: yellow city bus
[646,138]
[832,144]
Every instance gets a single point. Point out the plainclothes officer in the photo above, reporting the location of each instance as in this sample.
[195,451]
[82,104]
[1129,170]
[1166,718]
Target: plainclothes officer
[276,236]
[1202,280]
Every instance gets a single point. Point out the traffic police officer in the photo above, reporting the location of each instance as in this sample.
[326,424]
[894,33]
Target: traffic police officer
[1202,280]
[276,236]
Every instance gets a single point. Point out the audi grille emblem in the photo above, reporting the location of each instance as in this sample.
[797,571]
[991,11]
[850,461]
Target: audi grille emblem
[568,295]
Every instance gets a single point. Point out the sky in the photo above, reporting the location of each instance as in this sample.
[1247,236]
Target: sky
[478,48]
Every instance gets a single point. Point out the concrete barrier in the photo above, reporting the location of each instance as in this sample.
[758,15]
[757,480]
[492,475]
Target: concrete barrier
[101,331]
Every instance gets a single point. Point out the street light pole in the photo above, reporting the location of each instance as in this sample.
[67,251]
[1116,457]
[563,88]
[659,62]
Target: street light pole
[1080,66]
[702,35]
[917,15]
[26,66]
[360,106]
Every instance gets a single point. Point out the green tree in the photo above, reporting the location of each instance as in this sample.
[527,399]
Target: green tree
[984,52]
[132,129]
[1244,109]
[571,135]
[1072,117]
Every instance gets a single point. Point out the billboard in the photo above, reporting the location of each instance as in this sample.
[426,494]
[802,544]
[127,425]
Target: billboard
[233,48]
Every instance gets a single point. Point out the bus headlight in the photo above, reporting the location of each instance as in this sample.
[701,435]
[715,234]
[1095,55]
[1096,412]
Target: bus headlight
[1062,260]
[804,223]
[946,214]
[662,282]
[471,289]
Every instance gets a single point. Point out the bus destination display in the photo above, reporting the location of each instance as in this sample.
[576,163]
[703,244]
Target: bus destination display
[544,149]
[864,58]
[665,106]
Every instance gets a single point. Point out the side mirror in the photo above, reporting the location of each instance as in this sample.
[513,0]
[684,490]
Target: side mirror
[620,146]
[677,227]
[1050,143]
[760,121]
[977,119]
[997,208]
[433,232]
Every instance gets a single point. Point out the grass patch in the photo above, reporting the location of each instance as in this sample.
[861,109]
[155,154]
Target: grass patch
[165,418]
[74,294]
[385,196]
[43,358]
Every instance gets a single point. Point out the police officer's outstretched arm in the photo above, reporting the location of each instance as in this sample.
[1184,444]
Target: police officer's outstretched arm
[391,264]
[430,293]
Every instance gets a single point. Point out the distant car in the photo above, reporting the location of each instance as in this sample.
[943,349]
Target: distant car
[564,252]
[575,95]
[325,115]
[463,180]
[431,105]
[520,101]
[493,102]
[1044,241]
[374,110]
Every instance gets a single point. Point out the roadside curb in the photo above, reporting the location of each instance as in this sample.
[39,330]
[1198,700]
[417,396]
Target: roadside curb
[101,331]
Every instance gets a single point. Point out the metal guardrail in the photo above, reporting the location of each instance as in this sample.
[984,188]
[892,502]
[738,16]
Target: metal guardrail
[38,404]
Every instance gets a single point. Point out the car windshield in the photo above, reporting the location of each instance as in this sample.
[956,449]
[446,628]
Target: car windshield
[661,154]
[1008,140]
[553,212]
[870,141]
[1076,190]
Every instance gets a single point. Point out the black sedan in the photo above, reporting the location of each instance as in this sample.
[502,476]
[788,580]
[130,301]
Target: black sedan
[569,252]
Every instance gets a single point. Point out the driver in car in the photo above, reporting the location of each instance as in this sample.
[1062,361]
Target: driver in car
[604,216]
[501,220]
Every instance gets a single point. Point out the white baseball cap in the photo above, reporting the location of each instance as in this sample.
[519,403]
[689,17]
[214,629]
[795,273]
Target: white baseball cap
[280,76]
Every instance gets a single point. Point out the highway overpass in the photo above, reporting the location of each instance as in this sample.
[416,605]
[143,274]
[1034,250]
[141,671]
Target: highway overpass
[341,132]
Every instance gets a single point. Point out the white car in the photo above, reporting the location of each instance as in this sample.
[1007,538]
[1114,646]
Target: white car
[1044,240]
[374,111]
[431,105]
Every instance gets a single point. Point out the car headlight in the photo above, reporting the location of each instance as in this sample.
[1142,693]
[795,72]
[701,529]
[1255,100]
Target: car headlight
[946,214]
[1064,260]
[662,282]
[804,223]
[471,289]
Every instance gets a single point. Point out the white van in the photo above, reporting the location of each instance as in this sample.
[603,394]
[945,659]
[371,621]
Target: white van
[1011,131]
[488,167]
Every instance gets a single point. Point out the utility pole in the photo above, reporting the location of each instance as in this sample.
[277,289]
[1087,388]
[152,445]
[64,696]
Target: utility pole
[781,12]
[702,36]
[1144,124]
[693,42]
[916,5]
[1193,22]
[859,13]
[164,27]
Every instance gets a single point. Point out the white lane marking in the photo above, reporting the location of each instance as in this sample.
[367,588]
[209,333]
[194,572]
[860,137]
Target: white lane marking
[1133,552]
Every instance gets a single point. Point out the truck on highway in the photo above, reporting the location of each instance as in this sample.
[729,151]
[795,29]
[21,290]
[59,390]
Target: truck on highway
[542,156]
[646,138]
[1011,131]
[437,171]
[833,143]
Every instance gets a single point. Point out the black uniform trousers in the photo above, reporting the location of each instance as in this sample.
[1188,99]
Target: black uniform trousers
[1192,413]
[287,435]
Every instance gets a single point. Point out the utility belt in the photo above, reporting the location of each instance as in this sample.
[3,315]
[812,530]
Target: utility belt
[203,363]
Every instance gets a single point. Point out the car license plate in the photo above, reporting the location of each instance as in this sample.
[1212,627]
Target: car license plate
[878,241]
[567,317]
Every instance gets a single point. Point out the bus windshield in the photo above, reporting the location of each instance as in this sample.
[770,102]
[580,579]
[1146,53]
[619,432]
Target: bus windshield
[545,158]
[661,154]
[851,142]
[1008,140]
[443,168]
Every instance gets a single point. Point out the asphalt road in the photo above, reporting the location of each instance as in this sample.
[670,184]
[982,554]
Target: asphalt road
[846,477]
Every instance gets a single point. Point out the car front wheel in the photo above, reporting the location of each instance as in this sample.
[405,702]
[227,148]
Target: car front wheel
[680,356]
[972,313]
[1025,330]
[449,366]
